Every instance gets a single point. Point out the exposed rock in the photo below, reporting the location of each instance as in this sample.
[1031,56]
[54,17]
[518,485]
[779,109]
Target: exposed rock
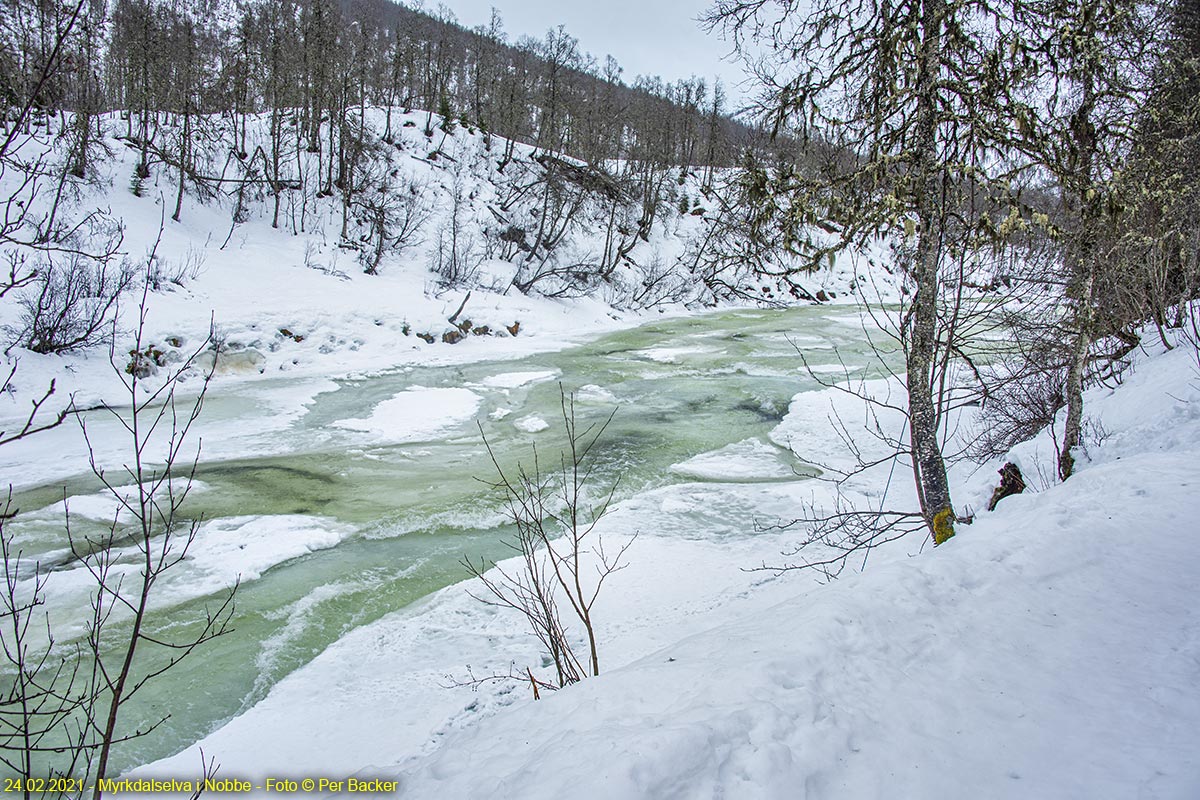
[231,362]
[143,364]
[1011,482]
[515,328]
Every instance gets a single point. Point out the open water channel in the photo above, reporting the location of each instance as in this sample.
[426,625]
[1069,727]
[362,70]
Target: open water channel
[331,527]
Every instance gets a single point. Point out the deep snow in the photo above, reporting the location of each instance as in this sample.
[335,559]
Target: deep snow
[1052,649]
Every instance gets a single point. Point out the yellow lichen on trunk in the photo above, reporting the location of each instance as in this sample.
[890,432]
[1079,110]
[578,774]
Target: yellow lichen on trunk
[943,525]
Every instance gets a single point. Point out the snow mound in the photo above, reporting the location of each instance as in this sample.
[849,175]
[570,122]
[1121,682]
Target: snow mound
[513,380]
[752,459]
[418,414]
[532,424]
[591,393]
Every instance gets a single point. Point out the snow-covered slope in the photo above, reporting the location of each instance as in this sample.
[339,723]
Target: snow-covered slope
[295,297]
[1052,649]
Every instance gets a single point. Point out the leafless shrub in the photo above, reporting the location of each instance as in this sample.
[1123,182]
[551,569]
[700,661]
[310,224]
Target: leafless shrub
[559,274]
[832,538]
[162,275]
[396,217]
[158,538]
[71,304]
[60,705]
[551,585]
[456,257]
[1095,433]
[1017,410]
[661,284]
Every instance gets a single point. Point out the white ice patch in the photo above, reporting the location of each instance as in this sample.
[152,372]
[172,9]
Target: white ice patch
[224,552]
[512,380]
[233,548]
[419,414]
[809,427]
[670,355]
[826,369]
[595,394]
[105,506]
[752,459]
[532,424]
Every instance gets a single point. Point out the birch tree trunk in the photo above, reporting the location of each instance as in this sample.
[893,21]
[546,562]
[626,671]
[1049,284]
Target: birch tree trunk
[921,339]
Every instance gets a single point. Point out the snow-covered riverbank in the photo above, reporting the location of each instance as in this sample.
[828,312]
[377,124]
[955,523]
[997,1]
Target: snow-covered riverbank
[1052,649]
[293,302]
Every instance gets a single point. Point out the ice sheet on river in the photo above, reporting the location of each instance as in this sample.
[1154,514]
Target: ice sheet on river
[751,459]
[512,380]
[225,551]
[418,414]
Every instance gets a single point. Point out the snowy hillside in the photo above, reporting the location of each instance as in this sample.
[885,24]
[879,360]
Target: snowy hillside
[464,212]
[1052,649]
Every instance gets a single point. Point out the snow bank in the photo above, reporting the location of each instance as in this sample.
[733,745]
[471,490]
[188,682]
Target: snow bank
[1049,650]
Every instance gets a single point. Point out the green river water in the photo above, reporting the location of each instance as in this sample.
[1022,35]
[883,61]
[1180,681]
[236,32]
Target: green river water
[681,387]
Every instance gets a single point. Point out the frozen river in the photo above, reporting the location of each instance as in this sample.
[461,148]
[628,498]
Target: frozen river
[338,502]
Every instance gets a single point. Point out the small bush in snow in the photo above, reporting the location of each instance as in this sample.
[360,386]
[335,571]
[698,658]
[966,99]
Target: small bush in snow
[163,275]
[563,564]
[71,305]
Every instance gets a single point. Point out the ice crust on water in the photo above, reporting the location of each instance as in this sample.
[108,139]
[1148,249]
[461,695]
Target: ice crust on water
[532,424]
[750,459]
[230,548]
[671,355]
[417,414]
[513,380]
[105,506]
[225,551]
[591,393]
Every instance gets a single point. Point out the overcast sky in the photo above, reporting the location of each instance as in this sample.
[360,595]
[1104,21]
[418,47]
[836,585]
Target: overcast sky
[647,37]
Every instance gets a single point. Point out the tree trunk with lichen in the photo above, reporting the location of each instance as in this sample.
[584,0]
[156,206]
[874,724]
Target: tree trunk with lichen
[921,322]
[1073,391]
[1081,250]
